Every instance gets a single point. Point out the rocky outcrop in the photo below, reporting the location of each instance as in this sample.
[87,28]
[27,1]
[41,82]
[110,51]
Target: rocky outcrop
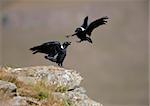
[59,84]
[49,74]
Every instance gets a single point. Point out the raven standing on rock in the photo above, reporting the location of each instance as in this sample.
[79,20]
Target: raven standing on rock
[56,52]
[86,29]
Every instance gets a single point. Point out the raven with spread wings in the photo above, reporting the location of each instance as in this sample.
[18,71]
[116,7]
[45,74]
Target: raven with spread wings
[54,50]
[84,32]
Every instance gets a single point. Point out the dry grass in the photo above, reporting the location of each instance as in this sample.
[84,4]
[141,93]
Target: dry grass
[39,91]
[42,93]
[5,76]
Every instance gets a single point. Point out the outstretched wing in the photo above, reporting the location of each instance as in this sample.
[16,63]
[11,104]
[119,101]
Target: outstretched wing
[95,24]
[85,23]
[50,48]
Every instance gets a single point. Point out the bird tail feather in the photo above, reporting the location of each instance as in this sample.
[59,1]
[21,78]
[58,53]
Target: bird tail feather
[35,49]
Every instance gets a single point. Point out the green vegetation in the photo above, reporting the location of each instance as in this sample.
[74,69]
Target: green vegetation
[62,89]
[67,103]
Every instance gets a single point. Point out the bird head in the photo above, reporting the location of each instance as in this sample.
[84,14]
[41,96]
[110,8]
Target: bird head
[78,30]
[66,44]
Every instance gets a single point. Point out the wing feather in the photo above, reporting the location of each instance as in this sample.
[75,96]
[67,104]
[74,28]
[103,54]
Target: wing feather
[95,24]
[50,48]
[85,23]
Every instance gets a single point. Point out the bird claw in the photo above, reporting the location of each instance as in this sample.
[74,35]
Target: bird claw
[60,65]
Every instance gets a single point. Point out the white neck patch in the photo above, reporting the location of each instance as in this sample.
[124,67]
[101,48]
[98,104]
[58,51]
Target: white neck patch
[62,47]
[82,29]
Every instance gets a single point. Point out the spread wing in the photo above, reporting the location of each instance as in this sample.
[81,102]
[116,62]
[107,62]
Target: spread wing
[85,23]
[95,24]
[50,48]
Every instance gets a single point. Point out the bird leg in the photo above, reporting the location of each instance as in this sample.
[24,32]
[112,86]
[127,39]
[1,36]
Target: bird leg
[60,64]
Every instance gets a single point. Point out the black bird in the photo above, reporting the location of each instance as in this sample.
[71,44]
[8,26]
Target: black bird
[54,50]
[84,32]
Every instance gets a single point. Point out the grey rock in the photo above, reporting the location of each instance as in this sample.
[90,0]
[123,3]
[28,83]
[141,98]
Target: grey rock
[77,97]
[20,101]
[7,86]
[50,75]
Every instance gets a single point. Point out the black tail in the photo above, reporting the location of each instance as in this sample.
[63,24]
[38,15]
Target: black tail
[35,49]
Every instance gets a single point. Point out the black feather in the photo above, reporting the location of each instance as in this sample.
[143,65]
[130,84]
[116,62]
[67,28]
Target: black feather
[53,50]
[95,24]
[47,48]
[85,23]
[84,35]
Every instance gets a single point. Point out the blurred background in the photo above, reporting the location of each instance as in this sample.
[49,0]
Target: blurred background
[114,67]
